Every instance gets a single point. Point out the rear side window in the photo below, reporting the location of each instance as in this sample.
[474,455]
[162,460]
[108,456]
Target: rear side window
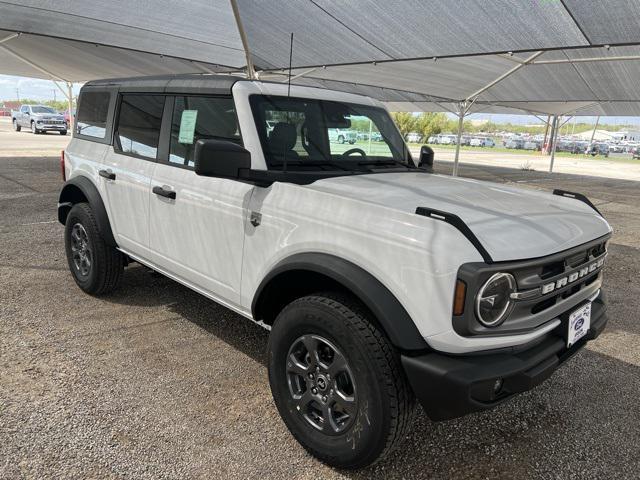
[92,116]
[196,118]
[138,126]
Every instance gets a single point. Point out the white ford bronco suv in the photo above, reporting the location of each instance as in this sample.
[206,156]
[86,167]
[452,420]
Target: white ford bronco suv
[381,282]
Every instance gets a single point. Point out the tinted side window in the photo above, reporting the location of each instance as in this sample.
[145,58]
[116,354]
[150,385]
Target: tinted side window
[92,116]
[196,118]
[138,126]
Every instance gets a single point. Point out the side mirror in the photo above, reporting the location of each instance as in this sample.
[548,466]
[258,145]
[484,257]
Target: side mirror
[426,157]
[220,158]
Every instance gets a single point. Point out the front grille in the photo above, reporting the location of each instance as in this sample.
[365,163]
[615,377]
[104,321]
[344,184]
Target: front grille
[557,270]
[534,306]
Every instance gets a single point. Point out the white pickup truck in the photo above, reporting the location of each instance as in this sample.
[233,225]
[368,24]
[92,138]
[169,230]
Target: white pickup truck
[38,119]
[381,282]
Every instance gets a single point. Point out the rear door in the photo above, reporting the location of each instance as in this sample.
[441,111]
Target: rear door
[128,166]
[197,224]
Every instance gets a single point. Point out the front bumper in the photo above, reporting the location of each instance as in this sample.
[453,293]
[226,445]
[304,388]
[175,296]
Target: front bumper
[51,127]
[449,386]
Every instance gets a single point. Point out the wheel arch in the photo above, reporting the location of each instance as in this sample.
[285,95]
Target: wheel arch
[307,273]
[81,189]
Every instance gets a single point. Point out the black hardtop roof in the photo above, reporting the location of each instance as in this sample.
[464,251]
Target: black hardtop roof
[184,83]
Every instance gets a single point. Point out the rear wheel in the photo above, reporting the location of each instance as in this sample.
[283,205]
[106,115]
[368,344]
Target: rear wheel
[96,267]
[16,127]
[63,132]
[337,382]
[340,139]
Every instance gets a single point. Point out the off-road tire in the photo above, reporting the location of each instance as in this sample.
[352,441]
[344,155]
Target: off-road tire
[107,263]
[385,401]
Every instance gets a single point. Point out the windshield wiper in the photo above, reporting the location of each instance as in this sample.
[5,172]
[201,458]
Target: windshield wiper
[315,163]
[389,161]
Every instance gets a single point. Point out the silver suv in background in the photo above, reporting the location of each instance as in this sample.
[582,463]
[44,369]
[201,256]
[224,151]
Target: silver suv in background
[38,118]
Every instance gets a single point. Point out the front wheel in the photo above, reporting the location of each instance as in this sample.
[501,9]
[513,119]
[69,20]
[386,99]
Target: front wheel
[337,381]
[340,139]
[34,129]
[96,267]
[16,127]
[63,132]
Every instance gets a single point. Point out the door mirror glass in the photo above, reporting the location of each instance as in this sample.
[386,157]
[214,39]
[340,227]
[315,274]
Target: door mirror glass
[426,157]
[220,158]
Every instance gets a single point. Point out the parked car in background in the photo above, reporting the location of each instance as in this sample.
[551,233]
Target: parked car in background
[616,148]
[598,149]
[579,147]
[413,137]
[68,117]
[447,139]
[38,118]
[515,143]
[482,142]
[532,145]
[342,136]
[433,139]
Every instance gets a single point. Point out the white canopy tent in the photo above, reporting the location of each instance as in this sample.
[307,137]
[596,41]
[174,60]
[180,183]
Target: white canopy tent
[557,57]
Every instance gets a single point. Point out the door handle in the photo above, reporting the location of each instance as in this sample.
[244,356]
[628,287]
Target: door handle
[164,192]
[107,174]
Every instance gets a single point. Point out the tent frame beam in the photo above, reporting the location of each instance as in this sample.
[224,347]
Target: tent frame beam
[251,71]
[587,60]
[51,75]
[505,75]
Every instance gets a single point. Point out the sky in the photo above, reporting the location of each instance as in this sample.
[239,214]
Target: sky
[36,89]
[32,88]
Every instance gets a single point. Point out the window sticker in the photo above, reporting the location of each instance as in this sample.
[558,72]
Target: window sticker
[187,126]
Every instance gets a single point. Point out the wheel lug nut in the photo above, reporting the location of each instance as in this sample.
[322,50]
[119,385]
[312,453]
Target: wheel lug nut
[324,398]
[311,375]
[314,390]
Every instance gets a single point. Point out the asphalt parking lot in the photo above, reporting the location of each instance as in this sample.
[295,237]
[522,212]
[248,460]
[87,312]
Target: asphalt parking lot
[155,381]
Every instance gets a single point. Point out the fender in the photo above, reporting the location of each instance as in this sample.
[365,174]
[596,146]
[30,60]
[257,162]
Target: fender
[69,196]
[388,311]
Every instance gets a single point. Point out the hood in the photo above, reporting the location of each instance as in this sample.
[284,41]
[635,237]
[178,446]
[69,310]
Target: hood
[511,223]
[49,116]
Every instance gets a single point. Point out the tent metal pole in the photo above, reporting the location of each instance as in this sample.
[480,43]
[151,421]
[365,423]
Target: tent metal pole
[10,37]
[31,64]
[251,72]
[505,75]
[299,75]
[588,60]
[461,115]
[595,127]
[546,132]
[554,141]
[70,98]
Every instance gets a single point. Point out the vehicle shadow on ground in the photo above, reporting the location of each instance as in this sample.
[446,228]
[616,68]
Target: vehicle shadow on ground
[142,287]
[536,430]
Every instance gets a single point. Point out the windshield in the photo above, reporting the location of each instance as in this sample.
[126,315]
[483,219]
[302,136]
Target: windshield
[40,109]
[309,134]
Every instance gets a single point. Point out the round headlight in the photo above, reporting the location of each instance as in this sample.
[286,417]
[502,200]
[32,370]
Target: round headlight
[493,302]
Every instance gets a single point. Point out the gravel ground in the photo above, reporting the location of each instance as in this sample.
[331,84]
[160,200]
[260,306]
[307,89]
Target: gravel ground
[155,381]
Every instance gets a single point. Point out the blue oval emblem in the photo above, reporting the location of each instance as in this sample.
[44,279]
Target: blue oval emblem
[579,324]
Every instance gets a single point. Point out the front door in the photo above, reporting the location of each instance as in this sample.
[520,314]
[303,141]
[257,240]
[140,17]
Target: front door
[197,224]
[128,167]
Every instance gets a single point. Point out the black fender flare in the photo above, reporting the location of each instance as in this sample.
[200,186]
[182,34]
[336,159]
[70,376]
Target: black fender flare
[69,196]
[385,307]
